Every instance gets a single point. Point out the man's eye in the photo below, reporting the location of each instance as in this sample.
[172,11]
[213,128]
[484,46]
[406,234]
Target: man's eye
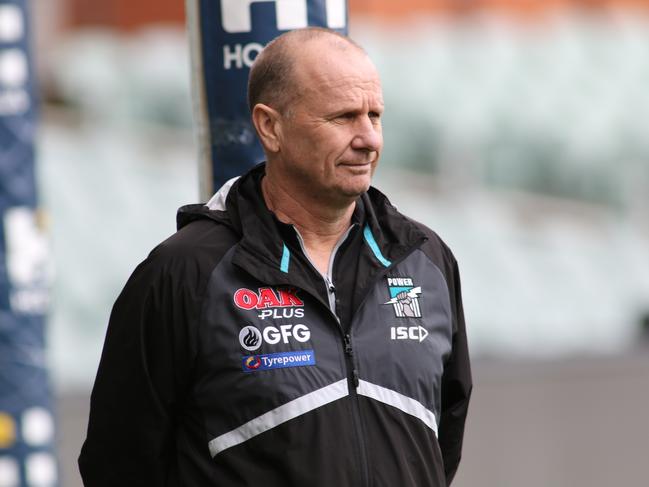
[375,115]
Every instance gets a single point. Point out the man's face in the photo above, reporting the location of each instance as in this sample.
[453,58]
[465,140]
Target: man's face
[330,137]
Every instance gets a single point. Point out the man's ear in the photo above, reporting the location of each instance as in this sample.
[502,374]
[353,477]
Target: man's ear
[267,123]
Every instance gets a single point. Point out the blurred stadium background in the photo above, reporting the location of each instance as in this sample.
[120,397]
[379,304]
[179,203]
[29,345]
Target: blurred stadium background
[517,129]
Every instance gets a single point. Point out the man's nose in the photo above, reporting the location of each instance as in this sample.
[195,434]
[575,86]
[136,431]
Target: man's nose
[368,135]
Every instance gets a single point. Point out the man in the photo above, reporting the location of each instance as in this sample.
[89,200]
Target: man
[296,330]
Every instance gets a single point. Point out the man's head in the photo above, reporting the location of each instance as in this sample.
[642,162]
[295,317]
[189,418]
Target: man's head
[316,103]
[270,80]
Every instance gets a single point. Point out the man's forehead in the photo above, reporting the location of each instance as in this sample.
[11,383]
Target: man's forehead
[328,65]
[325,50]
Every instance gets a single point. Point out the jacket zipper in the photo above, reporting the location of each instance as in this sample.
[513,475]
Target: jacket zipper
[348,349]
[351,366]
[356,409]
[352,372]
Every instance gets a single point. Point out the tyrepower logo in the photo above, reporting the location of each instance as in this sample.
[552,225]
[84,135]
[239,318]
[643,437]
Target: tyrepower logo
[282,360]
[271,303]
[251,338]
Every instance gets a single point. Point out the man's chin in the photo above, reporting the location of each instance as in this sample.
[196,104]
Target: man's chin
[353,189]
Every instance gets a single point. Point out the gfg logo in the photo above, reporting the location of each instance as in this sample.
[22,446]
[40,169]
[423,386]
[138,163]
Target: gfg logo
[418,333]
[290,14]
[251,338]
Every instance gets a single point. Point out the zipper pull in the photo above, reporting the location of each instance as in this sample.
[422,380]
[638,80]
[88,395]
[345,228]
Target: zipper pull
[348,344]
[330,285]
[347,338]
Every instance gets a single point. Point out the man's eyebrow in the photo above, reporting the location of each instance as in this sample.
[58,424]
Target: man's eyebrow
[357,111]
[343,107]
[342,111]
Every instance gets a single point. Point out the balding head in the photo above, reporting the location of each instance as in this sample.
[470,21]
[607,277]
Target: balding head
[317,112]
[272,79]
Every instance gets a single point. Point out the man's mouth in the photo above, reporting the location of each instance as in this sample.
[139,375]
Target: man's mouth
[357,163]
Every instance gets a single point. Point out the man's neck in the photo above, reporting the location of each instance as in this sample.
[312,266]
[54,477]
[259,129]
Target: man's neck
[320,226]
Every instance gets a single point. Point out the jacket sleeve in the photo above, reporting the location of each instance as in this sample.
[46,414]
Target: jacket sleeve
[456,385]
[143,375]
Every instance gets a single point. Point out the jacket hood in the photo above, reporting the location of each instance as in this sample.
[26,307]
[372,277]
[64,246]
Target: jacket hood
[215,209]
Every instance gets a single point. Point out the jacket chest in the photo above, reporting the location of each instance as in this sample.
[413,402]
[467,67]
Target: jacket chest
[262,341]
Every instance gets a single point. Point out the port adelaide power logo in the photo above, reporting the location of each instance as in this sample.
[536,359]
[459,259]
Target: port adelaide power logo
[405,303]
[405,297]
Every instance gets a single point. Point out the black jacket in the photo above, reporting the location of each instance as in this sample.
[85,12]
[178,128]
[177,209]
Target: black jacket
[229,360]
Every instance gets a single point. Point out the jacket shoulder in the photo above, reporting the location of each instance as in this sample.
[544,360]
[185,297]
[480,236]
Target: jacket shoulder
[435,247]
[186,259]
[200,241]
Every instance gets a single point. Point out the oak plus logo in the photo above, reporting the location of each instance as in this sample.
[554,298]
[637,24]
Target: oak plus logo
[270,303]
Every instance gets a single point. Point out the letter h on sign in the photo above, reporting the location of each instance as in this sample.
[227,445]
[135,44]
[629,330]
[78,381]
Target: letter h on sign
[291,14]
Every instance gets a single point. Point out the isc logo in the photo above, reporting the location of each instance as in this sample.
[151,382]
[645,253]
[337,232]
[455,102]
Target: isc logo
[290,14]
[418,333]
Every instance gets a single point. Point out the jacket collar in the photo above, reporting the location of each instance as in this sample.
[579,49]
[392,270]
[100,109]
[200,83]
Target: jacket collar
[389,236]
